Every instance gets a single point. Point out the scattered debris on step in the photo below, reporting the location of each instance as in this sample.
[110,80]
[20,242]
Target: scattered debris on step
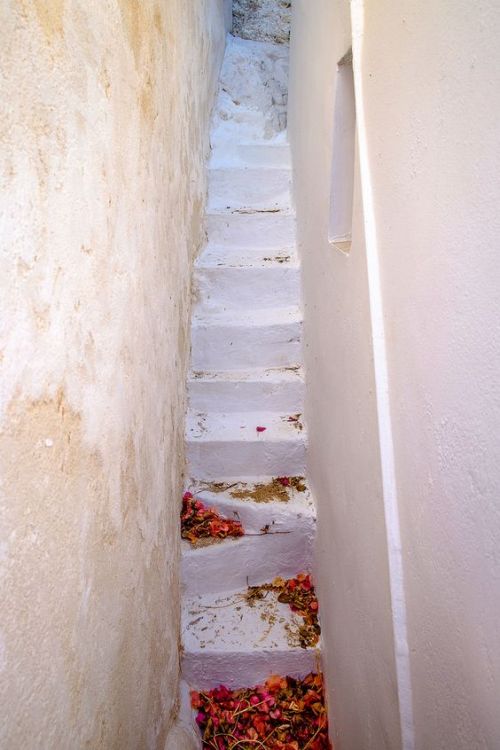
[282,714]
[299,594]
[276,490]
[295,420]
[278,259]
[199,523]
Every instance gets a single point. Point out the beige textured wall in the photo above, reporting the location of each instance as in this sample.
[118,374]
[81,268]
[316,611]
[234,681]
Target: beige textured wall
[104,129]
[344,461]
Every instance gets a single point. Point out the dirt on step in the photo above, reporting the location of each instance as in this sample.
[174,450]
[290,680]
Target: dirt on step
[277,490]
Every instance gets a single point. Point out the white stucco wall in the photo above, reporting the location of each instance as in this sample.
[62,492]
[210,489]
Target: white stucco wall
[433,107]
[431,155]
[344,460]
[105,110]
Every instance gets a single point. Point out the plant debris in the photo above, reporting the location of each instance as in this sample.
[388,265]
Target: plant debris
[299,594]
[282,714]
[201,523]
[277,490]
[278,259]
[274,491]
[295,420]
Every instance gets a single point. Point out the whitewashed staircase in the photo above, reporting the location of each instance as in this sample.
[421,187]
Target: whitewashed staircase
[246,372]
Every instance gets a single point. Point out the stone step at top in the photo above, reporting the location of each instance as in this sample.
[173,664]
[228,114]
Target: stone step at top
[227,641]
[231,340]
[230,445]
[253,90]
[249,189]
[274,389]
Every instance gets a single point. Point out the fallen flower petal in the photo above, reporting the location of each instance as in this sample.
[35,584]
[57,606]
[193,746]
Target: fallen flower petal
[300,596]
[235,718]
[200,522]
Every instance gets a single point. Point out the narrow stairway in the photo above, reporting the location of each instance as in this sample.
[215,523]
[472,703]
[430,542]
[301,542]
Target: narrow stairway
[246,441]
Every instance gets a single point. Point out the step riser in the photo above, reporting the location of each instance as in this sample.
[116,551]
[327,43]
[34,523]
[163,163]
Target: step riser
[248,561]
[212,460]
[207,396]
[243,155]
[245,125]
[240,347]
[246,288]
[260,230]
[230,189]
[205,670]
[284,517]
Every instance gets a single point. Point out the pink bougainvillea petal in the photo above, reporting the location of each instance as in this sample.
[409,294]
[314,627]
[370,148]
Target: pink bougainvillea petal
[298,718]
[200,522]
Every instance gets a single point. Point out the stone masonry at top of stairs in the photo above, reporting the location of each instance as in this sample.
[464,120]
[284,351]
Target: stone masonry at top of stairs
[246,373]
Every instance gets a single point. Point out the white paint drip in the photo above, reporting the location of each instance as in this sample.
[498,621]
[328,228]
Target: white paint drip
[392,523]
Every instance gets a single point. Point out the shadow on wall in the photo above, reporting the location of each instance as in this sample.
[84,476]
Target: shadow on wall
[262,20]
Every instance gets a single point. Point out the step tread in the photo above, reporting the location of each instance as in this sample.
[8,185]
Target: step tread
[270,374]
[224,256]
[226,623]
[242,427]
[252,318]
[249,154]
[260,229]
[236,501]
[261,189]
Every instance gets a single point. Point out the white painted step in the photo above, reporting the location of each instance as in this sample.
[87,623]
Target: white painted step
[228,282]
[264,231]
[238,125]
[274,389]
[285,549]
[256,189]
[234,563]
[225,641]
[229,445]
[246,339]
[243,155]
[251,256]
[279,516]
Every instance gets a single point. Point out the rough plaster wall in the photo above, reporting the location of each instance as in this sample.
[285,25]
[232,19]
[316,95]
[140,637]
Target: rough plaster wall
[104,132]
[433,106]
[344,461]
[263,20]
